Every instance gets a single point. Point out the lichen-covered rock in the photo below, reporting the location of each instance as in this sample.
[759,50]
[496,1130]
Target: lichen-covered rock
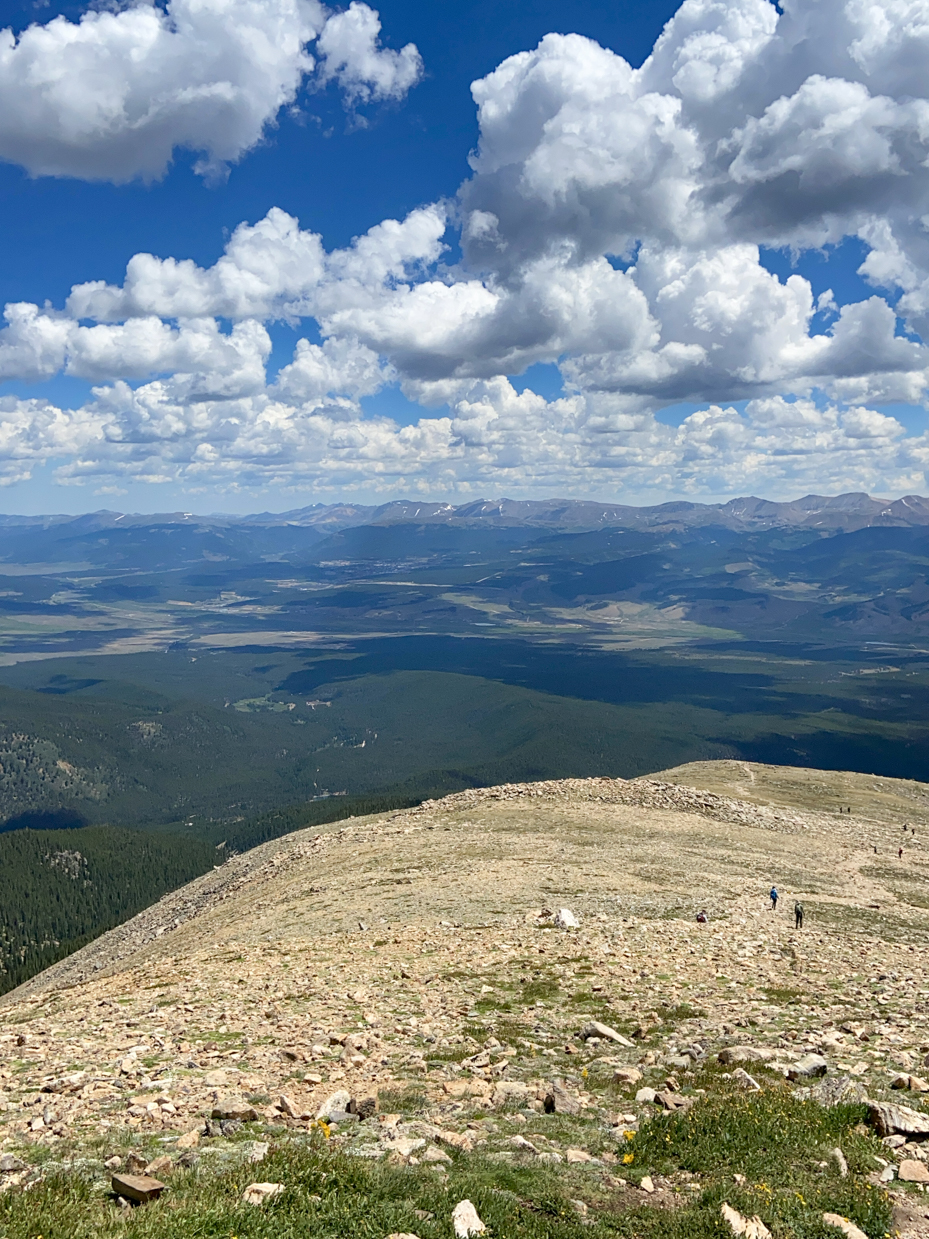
[807,1067]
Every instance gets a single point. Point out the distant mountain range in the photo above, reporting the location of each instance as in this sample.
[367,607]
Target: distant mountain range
[847,512]
[848,569]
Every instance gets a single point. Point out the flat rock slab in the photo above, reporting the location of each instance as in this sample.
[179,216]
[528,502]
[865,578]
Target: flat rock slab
[745,1054]
[509,1090]
[891,1119]
[836,1091]
[673,1101]
[627,1075]
[404,1145]
[260,1193]
[138,1187]
[807,1067]
[235,1108]
[604,1032]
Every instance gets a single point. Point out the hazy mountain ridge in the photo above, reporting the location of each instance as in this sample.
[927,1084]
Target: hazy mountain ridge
[561,513]
[855,510]
[337,543]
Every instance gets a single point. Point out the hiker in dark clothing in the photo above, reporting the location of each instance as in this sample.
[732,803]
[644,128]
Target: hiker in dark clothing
[773,898]
[798,914]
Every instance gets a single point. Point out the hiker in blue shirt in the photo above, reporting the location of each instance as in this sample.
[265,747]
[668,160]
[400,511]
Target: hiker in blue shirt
[773,898]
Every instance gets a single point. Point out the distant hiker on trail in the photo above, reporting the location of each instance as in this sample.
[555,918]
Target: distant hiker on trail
[899,853]
[702,917]
[773,898]
[798,915]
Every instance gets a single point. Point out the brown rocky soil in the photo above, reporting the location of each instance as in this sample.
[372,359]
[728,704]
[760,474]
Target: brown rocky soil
[416,954]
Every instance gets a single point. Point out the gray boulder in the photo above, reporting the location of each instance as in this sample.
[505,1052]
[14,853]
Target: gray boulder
[745,1054]
[807,1067]
[835,1091]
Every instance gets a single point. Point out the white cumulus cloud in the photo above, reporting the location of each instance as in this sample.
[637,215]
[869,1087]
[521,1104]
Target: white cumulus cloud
[110,97]
[612,225]
[350,53]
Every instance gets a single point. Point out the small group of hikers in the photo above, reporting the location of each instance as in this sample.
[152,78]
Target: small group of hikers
[702,916]
[798,907]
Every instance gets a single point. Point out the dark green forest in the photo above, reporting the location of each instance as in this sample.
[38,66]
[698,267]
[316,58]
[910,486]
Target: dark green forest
[166,752]
[61,888]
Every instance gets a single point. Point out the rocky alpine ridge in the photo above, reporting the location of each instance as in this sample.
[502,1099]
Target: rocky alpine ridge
[331,975]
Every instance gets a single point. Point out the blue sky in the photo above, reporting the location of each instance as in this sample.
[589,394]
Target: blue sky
[335,176]
[687,270]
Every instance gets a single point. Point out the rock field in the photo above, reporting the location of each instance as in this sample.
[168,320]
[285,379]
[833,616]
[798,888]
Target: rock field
[409,978]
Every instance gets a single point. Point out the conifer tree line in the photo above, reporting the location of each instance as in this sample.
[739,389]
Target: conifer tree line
[61,888]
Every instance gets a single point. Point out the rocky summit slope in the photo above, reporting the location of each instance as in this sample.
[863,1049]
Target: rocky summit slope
[417,970]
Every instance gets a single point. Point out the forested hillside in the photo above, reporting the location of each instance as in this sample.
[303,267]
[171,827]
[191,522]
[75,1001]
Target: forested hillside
[60,888]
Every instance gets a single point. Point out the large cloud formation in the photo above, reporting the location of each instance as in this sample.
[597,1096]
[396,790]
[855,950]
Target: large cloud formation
[110,97]
[612,225]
